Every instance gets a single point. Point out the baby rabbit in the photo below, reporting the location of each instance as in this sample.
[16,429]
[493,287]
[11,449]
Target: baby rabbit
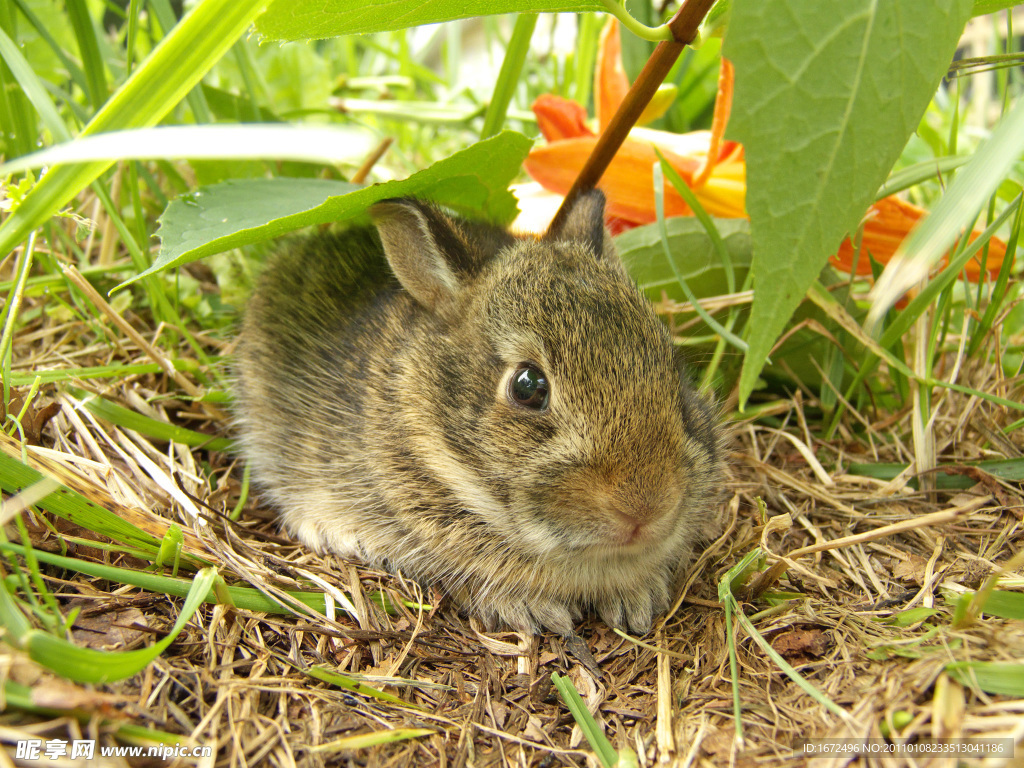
[502,416]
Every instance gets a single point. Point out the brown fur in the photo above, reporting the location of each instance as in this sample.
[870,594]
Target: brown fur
[375,416]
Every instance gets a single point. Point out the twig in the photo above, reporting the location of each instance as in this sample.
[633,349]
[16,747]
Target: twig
[101,304]
[683,27]
[769,577]
[364,170]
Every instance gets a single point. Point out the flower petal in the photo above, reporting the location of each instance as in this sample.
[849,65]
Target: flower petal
[723,108]
[628,183]
[610,81]
[537,207]
[886,225]
[560,118]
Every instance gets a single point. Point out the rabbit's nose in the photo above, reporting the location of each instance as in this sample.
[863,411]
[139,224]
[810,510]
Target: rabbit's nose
[645,501]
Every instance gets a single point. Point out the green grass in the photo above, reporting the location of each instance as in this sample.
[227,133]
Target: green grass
[65,81]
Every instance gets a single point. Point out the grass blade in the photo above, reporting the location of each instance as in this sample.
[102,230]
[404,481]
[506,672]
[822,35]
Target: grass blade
[89,50]
[598,741]
[285,142]
[1004,678]
[32,87]
[347,683]
[176,65]
[161,430]
[87,665]
[508,77]
[973,185]
[244,598]
[113,371]
[364,740]
[72,506]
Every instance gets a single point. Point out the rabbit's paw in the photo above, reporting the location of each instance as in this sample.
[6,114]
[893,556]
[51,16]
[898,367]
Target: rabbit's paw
[531,617]
[636,609]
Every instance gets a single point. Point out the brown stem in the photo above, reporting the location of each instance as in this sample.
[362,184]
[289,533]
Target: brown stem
[684,28]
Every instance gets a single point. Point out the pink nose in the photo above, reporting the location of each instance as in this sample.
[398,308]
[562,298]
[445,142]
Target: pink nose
[630,527]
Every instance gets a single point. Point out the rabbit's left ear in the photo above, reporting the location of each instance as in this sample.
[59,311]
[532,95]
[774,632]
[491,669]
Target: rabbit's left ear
[427,251]
[584,224]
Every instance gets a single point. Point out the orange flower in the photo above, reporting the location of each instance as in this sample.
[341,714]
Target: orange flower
[887,224]
[628,183]
[715,169]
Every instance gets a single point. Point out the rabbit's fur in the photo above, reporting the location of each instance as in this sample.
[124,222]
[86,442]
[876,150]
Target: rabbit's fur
[376,413]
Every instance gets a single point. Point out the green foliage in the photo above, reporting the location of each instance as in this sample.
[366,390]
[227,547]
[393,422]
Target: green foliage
[87,665]
[232,214]
[956,211]
[1004,678]
[859,76]
[693,252]
[174,68]
[72,506]
[313,19]
[603,749]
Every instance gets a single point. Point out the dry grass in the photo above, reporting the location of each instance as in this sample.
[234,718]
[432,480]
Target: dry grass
[237,680]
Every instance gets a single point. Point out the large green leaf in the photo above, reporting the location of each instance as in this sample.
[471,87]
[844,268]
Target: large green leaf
[694,252]
[827,94]
[237,213]
[315,19]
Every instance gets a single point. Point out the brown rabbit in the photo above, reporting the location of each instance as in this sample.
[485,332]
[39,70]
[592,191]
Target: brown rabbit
[503,416]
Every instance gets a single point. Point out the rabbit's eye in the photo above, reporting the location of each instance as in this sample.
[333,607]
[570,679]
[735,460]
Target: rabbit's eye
[528,387]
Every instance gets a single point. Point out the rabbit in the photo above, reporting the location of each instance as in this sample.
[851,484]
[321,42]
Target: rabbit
[503,416]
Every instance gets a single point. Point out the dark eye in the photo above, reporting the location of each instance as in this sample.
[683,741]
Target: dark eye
[528,387]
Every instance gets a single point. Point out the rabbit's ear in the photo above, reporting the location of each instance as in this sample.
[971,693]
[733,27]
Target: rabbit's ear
[426,250]
[584,223]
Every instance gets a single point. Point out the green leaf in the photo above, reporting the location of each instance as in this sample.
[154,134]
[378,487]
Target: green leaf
[826,96]
[603,748]
[347,683]
[113,371]
[999,602]
[910,617]
[316,19]
[237,213]
[982,7]
[176,65]
[991,676]
[695,254]
[366,740]
[1011,470]
[956,211]
[23,697]
[146,425]
[508,78]
[244,598]
[72,506]
[88,50]
[32,86]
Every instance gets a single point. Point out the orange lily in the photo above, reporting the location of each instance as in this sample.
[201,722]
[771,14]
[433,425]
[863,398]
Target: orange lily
[715,169]
[628,183]
[886,225]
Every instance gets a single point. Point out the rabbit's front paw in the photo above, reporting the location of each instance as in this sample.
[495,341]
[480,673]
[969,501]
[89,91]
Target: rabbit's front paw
[636,609]
[531,617]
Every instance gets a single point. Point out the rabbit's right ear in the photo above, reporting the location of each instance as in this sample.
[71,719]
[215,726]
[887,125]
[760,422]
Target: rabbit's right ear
[584,223]
[425,249]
